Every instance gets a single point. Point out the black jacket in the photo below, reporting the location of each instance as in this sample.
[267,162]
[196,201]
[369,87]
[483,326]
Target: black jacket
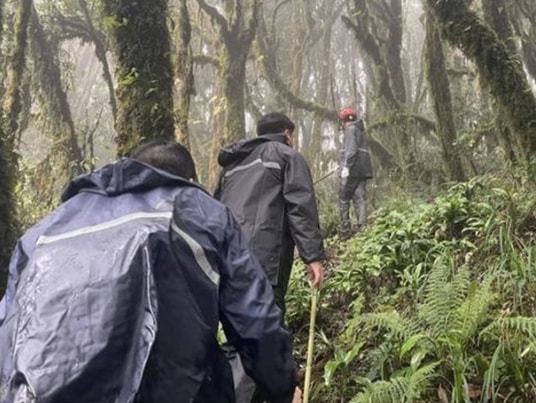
[355,154]
[117,296]
[268,187]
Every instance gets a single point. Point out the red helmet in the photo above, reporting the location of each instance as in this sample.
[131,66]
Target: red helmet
[347,114]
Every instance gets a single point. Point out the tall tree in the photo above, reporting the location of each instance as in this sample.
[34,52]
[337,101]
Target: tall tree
[65,157]
[140,44]
[184,74]
[497,67]
[237,30]
[394,48]
[438,82]
[12,104]
[11,108]
[496,15]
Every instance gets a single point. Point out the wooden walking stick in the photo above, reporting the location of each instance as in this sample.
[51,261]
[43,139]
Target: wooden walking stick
[310,345]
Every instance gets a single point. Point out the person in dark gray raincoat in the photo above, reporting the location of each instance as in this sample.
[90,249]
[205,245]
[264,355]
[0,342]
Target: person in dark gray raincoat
[268,187]
[355,170]
[117,294]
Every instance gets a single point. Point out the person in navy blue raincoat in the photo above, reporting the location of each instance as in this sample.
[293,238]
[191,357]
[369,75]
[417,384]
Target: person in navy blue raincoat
[117,294]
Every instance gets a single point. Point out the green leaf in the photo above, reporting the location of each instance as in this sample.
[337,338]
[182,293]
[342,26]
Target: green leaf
[329,371]
[410,343]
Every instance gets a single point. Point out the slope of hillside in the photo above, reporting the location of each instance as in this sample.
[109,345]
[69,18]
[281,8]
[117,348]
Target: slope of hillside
[433,302]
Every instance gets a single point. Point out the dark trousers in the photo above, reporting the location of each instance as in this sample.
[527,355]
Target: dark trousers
[352,189]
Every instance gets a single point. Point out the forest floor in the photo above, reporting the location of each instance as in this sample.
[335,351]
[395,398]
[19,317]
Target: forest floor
[433,302]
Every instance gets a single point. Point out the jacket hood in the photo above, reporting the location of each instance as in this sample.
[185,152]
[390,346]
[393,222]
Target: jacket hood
[238,151]
[123,176]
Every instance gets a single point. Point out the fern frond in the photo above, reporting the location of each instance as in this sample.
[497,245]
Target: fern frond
[519,324]
[398,327]
[421,378]
[401,389]
[397,390]
[473,311]
[442,297]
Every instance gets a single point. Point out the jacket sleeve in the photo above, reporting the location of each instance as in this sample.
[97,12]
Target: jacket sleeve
[301,209]
[350,150]
[16,265]
[251,320]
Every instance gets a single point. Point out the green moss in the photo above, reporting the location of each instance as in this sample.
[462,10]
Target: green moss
[499,69]
[141,48]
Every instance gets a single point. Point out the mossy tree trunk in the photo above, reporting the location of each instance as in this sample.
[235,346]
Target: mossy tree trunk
[65,157]
[438,83]
[498,67]
[11,109]
[184,78]
[140,44]
[12,104]
[394,50]
[2,5]
[237,30]
[496,15]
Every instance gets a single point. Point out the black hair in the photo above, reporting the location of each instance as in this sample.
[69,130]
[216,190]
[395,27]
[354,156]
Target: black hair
[274,123]
[168,156]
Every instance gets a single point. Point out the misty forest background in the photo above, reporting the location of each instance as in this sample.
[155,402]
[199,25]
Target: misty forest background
[435,300]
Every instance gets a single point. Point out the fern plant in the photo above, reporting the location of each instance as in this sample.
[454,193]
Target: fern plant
[401,389]
[443,329]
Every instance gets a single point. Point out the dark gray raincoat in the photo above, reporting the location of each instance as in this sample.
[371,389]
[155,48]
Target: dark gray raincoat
[269,189]
[355,154]
[116,297]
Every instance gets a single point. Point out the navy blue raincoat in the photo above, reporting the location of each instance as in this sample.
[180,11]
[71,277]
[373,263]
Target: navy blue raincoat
[116,297]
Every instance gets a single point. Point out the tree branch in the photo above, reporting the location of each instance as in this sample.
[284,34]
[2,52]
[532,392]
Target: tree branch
[405,117]
[205,59]
[214,14]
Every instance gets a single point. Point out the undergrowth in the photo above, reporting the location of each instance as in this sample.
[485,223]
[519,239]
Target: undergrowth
[434,302]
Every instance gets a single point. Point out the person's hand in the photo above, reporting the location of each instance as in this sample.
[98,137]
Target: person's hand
[297,395]
[345,172]
[316,274]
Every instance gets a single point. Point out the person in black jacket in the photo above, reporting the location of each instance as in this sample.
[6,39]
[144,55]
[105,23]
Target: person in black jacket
[116,295]
[355,170]
[268,187]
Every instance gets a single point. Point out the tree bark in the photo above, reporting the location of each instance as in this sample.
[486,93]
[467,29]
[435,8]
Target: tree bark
[436,73]
[11,108]
[140,44]
[497,67]
[12,104]
[184,78]
[65,157]
[237,31]
[394,51]
[496,15]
